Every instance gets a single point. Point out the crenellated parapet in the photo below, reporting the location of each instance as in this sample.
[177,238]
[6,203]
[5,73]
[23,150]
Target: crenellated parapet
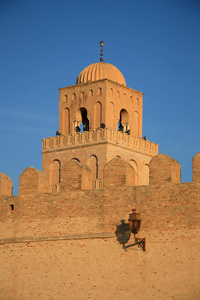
[99,136]
[6,185]
[196,167]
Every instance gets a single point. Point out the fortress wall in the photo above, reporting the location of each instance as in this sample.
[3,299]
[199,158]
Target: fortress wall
[65,245]
[100,269]
[100,211]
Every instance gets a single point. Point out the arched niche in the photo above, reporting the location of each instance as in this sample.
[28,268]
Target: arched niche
[135,167]
[136,123]
[73,96]
[90,93]
[66,121]
[55,172]
[98,114]
[99,91]
[146,175]
[111,115]
[93,165]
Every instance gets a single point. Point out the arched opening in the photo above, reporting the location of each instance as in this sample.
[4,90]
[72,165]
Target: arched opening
[85,120]
[82,120]
[66,121]
[123,124]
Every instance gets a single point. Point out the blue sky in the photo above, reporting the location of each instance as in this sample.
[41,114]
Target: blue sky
[45,44]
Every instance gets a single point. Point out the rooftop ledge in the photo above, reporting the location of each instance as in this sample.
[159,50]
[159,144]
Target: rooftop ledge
[99,136]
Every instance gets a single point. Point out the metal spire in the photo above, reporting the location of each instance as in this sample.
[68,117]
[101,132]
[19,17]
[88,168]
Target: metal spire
[101,44]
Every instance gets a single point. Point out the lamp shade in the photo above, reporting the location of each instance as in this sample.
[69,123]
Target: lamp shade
[134,222]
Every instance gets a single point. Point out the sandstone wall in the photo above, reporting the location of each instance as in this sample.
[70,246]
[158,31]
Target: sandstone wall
[62,245]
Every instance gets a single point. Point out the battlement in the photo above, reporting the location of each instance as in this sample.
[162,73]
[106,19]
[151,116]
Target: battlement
[99,136]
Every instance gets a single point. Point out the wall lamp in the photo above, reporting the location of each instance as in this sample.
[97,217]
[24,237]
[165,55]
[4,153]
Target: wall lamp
[123,231]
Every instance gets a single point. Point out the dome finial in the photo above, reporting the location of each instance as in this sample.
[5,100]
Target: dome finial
[101,44]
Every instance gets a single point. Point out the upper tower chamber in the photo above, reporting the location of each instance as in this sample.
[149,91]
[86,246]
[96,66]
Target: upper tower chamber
[100,96]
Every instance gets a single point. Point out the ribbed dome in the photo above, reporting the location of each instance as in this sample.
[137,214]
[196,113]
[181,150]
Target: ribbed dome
[99,71]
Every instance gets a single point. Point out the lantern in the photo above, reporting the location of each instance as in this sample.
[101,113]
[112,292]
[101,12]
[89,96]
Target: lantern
[134,221]
[124,230]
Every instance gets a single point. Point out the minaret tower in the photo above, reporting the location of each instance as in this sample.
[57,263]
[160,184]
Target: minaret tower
[100,118]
